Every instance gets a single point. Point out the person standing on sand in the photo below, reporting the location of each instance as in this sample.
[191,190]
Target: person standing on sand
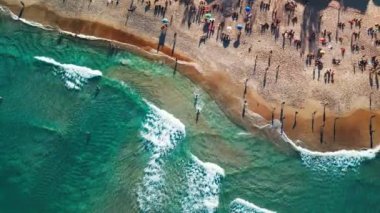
[245,87]
[312,120]
[324,113]
[282,111]
[274,108]
[244,108]
[295,120]
[342,50]
[270,57]
[277,71]
[371,131]
[265,77]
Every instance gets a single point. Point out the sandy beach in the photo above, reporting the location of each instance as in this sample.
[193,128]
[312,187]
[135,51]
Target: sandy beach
[222,70]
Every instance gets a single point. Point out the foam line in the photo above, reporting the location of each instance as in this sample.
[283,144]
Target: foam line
[337,160]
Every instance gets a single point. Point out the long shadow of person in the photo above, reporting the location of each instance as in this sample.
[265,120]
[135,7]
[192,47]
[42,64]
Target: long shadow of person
[236,43]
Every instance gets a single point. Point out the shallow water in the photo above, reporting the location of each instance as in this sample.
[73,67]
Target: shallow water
[134,146]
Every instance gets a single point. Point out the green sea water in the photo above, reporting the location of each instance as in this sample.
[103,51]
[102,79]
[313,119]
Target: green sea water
[133,145]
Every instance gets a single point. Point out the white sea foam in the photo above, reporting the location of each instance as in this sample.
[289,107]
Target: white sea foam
[341,160]
[161,132]
[73,75]
[203,186]
[338,160]
[87,37]
[242,206]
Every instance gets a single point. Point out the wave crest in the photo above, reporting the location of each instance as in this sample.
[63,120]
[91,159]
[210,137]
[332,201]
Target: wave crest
[242,206]
[73,75]
[203,186]
[161,133]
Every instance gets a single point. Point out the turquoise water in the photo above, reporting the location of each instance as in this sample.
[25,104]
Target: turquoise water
[135,147]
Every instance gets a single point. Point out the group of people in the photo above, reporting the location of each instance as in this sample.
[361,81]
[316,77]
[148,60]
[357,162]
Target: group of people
[329,76]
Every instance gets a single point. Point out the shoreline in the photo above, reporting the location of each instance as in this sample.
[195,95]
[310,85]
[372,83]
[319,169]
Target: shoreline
[215,84]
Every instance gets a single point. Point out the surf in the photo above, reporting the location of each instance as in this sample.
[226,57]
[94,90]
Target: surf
[161,132]
[73,75]
[203,186]
[341,160]
[242,206]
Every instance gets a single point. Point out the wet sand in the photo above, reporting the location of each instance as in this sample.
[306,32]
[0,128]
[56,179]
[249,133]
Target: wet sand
[352,128]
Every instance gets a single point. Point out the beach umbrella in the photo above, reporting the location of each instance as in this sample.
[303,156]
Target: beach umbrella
[208,15]
[165,20]
[247,9]
[322,39]
[239,26]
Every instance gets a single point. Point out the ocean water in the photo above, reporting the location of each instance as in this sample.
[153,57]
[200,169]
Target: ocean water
[89,128]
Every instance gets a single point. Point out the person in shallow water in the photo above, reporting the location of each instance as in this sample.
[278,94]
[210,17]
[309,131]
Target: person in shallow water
[197,116]
[97,91]
[196,100]
[88,137]
[312,120]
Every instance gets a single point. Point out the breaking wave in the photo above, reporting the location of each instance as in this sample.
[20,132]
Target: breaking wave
[341,160]
[73,75]
[161,133]
[203,186]
[242,206]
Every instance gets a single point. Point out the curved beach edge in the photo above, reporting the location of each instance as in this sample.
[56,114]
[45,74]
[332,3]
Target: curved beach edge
[352,128]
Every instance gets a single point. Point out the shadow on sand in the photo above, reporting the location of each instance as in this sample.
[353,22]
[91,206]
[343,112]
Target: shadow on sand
[310,18]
